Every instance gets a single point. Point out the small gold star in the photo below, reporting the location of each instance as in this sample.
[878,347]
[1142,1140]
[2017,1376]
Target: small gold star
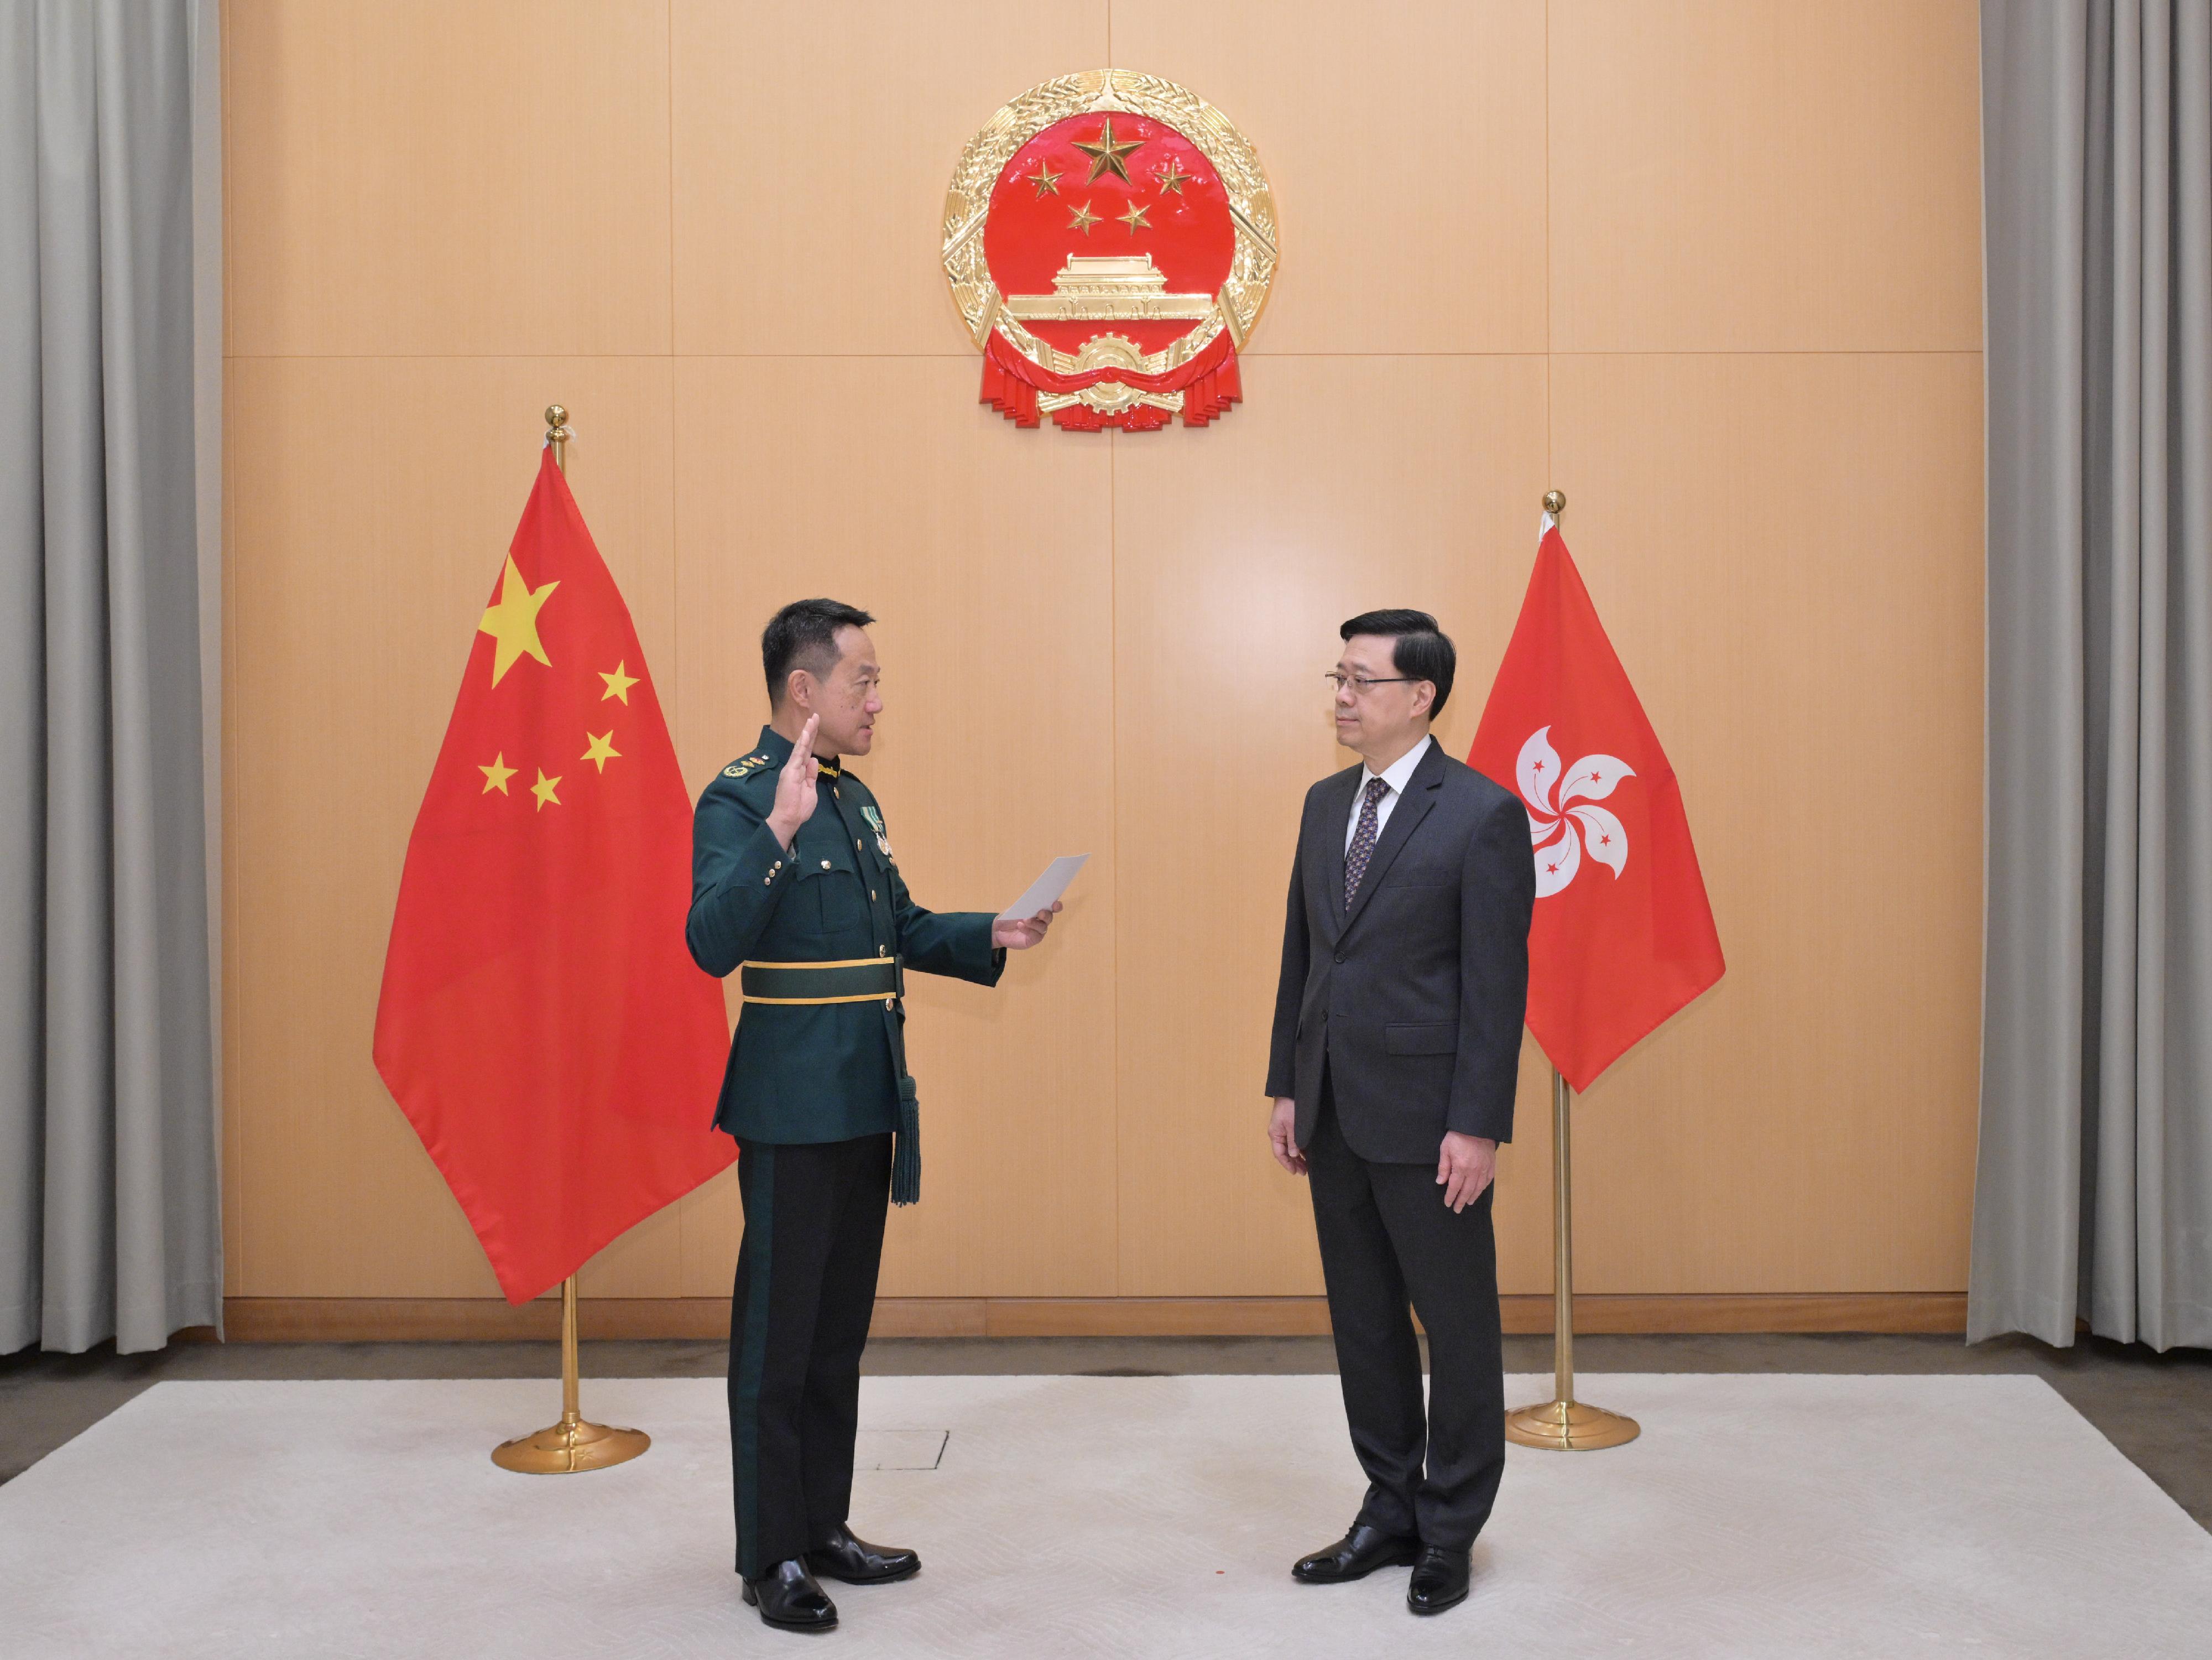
[1174,179]
[618,684]
[544,788]
[602,751]
[1106,154]
[1134,219]
[497,774]
[1081,219]
[1044,181]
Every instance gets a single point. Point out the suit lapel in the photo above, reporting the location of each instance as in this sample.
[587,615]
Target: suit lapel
[1413,806]
[1332,835]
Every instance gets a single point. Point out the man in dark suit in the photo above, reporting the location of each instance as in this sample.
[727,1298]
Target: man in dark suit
[1397,1042]
[794,881]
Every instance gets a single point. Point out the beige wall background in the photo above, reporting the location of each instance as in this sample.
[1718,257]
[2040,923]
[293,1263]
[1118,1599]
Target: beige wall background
[1711,266]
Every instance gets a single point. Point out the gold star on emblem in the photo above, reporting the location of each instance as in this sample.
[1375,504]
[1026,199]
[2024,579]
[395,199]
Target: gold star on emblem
[497,774]
[1106,154]
[1174,179]
[1044,181]
[602,751]
[514,622]
[544,788]
[618,685]
[1134,219]
[1081,219]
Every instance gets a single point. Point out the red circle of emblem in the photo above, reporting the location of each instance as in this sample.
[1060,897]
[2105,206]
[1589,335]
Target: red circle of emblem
[1109,239]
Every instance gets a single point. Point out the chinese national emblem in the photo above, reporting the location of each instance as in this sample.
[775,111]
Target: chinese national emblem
[1110,238]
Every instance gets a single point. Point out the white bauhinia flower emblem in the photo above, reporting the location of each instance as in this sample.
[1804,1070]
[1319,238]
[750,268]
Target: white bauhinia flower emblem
[1563,817]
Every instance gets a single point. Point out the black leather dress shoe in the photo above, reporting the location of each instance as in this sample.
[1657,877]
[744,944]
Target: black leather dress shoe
[789,1600]
[1439,1581]
[1356,1555]
[857,1562]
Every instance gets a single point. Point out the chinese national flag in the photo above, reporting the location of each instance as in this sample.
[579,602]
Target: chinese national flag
[542,1025]
[1622,935]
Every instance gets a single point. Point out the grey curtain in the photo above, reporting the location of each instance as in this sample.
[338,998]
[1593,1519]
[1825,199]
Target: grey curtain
[110,1218]
[2093,1195]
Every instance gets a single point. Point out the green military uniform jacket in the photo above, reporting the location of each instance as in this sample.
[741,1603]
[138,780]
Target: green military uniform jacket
[806,1072]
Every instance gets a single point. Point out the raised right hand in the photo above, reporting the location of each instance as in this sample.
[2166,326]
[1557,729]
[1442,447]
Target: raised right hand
[796,796]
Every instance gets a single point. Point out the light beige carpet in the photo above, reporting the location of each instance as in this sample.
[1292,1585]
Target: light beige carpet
[1767,1516]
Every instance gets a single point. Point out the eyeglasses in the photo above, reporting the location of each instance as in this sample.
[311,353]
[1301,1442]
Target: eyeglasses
[1361,684]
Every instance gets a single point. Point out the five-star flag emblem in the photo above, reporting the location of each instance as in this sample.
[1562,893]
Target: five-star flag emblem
[541,1023]
[513,622]
[1106,156]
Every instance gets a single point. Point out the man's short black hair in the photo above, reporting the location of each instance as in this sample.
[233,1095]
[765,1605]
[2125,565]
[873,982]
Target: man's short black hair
[804,636]
[1419,649]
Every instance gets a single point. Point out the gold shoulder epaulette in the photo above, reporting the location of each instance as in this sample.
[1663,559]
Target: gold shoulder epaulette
[751,764]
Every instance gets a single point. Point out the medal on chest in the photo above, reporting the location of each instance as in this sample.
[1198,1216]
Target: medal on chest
[876,823]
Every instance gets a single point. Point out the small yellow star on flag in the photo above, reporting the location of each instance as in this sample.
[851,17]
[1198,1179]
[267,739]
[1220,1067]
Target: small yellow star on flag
[497,774]
[602,751]
[514,622]
[618,685]
[543,789]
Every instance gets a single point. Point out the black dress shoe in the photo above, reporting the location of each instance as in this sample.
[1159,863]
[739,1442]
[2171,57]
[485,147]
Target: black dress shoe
[789,1600]
[857,1562]
[1439,1581]
[1356,1555]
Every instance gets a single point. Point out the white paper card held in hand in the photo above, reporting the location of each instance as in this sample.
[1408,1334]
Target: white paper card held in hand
[1046,889]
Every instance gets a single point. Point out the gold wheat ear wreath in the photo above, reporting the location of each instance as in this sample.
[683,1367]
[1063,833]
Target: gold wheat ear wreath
[1110,238]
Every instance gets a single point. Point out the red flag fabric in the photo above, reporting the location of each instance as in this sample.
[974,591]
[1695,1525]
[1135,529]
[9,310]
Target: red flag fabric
[541,1024]
[1622,935]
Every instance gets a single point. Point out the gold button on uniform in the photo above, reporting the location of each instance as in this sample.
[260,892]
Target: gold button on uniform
[825,864]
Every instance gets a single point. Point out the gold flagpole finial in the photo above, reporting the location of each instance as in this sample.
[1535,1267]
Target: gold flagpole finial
[557,434]
[1555,501]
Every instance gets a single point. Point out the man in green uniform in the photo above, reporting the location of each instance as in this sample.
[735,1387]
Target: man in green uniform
[793,877]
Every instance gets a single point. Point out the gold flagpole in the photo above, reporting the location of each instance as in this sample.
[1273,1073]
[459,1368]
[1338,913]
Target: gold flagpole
[576,1443]
[1563,1424]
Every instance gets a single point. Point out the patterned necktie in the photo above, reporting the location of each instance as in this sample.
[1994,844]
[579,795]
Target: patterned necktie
[1363,839]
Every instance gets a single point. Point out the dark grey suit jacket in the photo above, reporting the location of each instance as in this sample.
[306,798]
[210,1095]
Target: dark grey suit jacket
[1415,996]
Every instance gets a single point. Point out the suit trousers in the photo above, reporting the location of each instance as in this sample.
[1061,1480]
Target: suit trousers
[1387,1237]
[799,1319]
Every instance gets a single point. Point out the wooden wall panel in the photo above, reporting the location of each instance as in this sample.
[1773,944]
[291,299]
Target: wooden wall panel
[1741,175]
[358,570]
[416,177]
[1787,553]
[986,553]
[1347,483]
[812,147]
[710,229]
[1406,143]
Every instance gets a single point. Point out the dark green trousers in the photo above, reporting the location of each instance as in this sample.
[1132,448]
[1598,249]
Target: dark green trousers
[799,1320]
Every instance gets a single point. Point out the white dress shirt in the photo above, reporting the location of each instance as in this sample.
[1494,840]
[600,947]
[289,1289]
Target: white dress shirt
[1395,776]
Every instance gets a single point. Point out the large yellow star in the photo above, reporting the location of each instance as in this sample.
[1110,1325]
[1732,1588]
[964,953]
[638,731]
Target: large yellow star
[618,685]
[1106,154]
[603,749]
[1134,219]
[497,774]
[514,622]
[543,789]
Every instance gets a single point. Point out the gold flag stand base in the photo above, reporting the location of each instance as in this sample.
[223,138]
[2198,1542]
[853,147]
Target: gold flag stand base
[576,1443]
[1568,1427]
[568,1446]
[1563,1424]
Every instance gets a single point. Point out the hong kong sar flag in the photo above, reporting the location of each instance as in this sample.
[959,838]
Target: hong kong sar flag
[542,1025]
[1622,935]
